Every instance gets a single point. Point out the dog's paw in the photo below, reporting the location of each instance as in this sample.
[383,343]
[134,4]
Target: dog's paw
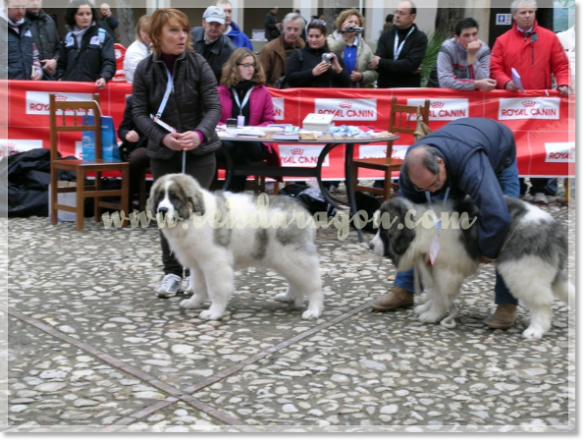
[190,303]
[311,314]
[420,309]
[208,314]
[431,316]
[283,298]
[533,333]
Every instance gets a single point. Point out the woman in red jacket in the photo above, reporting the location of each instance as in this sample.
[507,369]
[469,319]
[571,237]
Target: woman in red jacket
[243,92]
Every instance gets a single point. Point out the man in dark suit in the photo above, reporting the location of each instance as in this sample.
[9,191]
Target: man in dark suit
[272,25]
[400,50]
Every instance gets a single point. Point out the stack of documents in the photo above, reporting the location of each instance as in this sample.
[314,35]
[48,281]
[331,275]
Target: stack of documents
[246,131]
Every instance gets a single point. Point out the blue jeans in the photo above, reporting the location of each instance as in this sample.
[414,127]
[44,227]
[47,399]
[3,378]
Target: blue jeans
[509,181]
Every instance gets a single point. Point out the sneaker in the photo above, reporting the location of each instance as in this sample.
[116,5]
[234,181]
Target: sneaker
[170,286]
[396,298]
[539,198]
[504,317]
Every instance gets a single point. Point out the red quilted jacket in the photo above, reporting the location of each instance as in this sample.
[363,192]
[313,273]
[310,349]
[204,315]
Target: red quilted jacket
[535,57]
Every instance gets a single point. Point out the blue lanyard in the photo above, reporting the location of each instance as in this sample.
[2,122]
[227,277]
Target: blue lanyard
[437,223]
[167,93]
[428,195]
[237,100]
[398,48]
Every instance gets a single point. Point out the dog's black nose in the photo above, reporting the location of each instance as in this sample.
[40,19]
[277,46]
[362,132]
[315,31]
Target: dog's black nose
[163,209]
[371,246]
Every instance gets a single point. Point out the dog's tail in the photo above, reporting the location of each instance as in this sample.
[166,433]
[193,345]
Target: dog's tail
[564,289]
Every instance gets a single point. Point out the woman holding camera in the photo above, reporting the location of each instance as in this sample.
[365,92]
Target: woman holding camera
[346,41]
[243,94]
[315,66]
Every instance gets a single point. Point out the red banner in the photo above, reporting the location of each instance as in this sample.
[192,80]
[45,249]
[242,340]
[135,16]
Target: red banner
[543,122]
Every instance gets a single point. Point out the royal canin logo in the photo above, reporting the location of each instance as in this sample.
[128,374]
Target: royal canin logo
[345,105]
[60,98]
[8,145]
[297,151]
[528,103]
[437,104]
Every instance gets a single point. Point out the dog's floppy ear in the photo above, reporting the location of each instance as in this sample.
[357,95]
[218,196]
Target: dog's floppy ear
[197,203]
[399,235]
[154,198]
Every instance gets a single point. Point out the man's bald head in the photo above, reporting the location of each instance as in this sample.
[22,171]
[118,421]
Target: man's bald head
[421,158]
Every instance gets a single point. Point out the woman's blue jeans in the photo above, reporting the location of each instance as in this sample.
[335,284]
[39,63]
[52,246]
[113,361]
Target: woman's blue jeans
[509,181]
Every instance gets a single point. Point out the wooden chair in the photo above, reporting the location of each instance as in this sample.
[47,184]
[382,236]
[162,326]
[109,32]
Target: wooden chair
[81,109]
[403,121]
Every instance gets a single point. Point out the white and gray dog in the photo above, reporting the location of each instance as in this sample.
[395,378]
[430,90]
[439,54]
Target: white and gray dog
[531,260]
[214,234]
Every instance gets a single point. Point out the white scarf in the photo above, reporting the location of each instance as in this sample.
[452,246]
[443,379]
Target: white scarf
[78,33]
[10,22]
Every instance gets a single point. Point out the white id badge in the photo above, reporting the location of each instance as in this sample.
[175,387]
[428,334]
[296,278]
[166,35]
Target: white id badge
[69,42]
[95,40]
[164,125]
[434,249]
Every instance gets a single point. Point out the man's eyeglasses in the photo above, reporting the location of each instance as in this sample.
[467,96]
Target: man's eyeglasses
[436,184]
[247,65]
[401,13]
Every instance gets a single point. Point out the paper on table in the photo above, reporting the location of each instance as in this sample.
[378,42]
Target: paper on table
[517,80]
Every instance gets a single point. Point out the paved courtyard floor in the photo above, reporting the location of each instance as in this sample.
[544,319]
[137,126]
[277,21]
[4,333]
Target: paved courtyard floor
[90,348]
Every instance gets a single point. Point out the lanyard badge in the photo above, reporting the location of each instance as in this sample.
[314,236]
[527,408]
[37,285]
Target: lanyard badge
[435,246]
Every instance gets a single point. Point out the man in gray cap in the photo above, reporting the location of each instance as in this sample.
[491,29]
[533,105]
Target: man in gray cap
[210,42]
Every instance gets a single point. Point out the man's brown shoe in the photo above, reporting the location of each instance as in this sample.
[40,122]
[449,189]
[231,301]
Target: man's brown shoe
[396,298]
[504,317]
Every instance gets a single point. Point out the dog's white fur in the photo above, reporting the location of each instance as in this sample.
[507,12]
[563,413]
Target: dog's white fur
[213,255]
[530,278]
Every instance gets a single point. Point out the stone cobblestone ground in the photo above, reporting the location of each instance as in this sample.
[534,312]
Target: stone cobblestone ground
[92,349]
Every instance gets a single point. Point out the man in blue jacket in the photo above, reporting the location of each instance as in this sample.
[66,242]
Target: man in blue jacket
[19,55]
[469,156]
[231,29]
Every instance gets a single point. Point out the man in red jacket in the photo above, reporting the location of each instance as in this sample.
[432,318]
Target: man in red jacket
[536,54]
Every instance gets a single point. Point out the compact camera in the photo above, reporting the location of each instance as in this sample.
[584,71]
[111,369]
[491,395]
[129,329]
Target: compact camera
[327,58]
[355,29]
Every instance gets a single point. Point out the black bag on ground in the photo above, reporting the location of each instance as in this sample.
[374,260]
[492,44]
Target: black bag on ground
[307,197]
[27,176]
[369,204]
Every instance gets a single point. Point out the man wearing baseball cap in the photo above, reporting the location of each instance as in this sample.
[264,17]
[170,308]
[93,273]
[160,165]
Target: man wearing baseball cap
[210,42]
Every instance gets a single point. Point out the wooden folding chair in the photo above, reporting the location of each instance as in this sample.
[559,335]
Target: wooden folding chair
[81,110]
[404,120]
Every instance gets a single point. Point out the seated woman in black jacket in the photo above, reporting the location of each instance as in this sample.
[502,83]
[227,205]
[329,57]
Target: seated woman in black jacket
[87,51]
[133,149]
[307,68]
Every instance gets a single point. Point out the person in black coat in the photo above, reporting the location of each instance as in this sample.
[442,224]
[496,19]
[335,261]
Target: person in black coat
[45,36]
[400,51]
[210,42]
[307,68]
[86,53]
[272,25]
[107,20]
[133,149]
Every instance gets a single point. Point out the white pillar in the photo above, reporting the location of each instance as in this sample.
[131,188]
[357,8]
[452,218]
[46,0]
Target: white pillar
[375,19]
[238,12]
[153,5]
[479,10]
